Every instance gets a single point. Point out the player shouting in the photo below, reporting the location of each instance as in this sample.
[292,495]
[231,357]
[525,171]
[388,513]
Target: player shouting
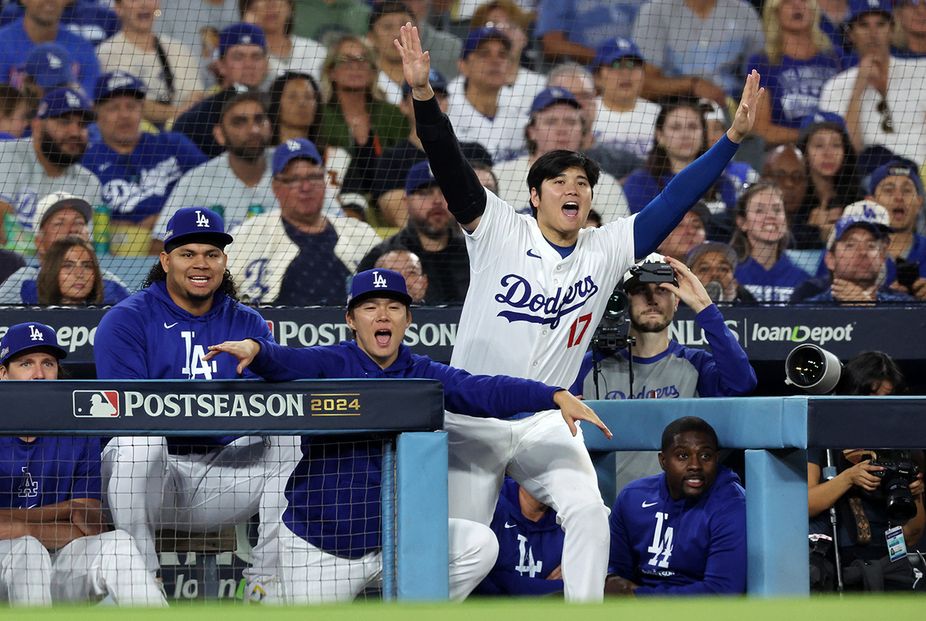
[330,548]
[538,288]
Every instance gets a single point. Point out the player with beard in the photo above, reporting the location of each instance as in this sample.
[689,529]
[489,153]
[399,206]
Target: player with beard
[47,162]
[432,234]
[662,368]
[235,181]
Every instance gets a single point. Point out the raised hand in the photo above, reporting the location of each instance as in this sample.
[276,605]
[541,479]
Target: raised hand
[416,64]
[573,410]
[245,351]
[745,116]
[689,289]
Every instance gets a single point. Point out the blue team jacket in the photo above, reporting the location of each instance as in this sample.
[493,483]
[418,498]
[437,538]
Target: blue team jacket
[147,336]
[527,551]
[700,546]
[334,492]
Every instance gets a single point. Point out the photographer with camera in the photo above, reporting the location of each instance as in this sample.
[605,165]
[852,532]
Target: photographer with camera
[877,494]
[660,367]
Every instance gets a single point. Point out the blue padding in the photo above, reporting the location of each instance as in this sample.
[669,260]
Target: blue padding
[421,486]
[757,422]
[776,523]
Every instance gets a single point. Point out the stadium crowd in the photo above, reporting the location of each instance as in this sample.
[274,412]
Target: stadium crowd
[281,151]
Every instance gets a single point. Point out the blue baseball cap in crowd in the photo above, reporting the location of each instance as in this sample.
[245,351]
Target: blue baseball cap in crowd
[438,83]
[857,8]
[241,34]
[553,95]
[613,50]
[378,283]
[27,336]
[195,225]
[62,101]
[478,35]
[294,149]
[897,168]
[866,214]
[419,176]
[118,83]
[819,120]
[49,65]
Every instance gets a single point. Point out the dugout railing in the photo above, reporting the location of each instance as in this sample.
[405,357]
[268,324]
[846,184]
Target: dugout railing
[408,412]
[776,433]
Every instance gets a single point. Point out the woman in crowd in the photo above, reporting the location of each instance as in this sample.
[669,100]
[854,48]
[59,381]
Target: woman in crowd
[167,67]
[832,179]
[680,137]
[70,274]
[287,51]
[760,240]
[797,61]
[355,114]
[857,490]
[295,112]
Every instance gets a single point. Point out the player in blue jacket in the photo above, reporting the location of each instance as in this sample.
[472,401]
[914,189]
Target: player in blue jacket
[682,532]
[333,516]
[51,501]
[530,546]
[162,332]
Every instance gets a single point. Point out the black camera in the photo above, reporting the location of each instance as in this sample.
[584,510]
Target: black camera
[650,272]
[613,333]
[899,472]
[908,272]
[812,369]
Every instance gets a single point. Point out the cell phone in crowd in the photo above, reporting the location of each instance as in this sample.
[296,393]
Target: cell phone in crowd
[908,272]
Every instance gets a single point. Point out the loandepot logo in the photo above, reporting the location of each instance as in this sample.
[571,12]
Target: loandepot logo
[96,403]
[820,335]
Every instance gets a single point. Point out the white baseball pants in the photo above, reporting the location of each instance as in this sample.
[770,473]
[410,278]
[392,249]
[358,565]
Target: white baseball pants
[539,453]
[308,575]
[147,488]
[25,572]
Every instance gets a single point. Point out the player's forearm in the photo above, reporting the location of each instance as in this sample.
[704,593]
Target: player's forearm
[277,363]
[494,396]
[466,198]
[54,535]
[663,213]
[49,513]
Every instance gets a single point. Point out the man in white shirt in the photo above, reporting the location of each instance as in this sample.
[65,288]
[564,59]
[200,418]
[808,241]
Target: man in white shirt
[47,162]
[556,122]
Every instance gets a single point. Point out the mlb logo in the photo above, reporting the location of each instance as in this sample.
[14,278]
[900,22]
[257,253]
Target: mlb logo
[96,403]
[269,327]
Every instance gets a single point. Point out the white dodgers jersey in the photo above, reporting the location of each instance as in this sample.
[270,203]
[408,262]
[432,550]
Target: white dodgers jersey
[529,312]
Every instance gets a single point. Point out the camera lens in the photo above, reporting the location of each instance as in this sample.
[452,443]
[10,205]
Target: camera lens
[807,367]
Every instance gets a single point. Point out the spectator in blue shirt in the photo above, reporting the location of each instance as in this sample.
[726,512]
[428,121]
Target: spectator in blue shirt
[760,240]
[137,170]
[797,61]
[856,257]
[682,532]
[41,23]
[88,19]
[898,187]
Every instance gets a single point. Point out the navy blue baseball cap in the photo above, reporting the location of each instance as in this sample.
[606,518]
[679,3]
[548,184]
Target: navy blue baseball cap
[118,83]
[294,149]
[819,120]
[553,95]
[241,33]
[27,336]
[615,49]
[478,35]
[857,8]
[49,65]
[438,83]
[195,225]
[62,101]
[378,283]
[419,176]
[896,168]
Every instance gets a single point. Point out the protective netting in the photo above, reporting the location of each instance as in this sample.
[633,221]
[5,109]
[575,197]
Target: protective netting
[185,104]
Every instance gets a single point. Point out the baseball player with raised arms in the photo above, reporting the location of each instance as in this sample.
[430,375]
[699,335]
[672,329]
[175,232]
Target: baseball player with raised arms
[330,547]
[54,545]
[197,484]
[539,286]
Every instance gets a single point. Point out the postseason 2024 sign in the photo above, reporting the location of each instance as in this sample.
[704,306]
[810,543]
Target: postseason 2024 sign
[168,407]
[766,333]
